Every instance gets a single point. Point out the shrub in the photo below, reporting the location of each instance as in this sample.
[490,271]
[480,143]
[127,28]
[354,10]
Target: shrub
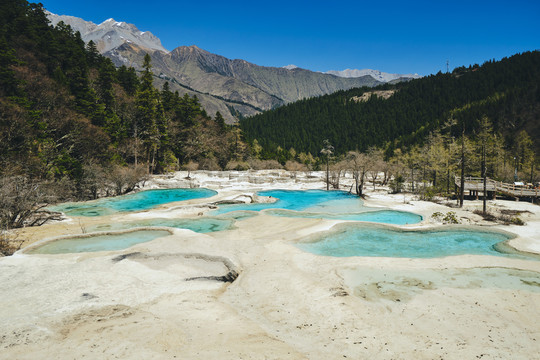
[209,163]
[487,215]
[427,193]
[169,162]
[237,165]
[517,221]
[505,218]
[451,218]
[257,164]
[448,218]
[511,220]
[9,243]
[396,184]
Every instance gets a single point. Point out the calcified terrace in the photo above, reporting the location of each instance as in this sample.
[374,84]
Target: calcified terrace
[178,295]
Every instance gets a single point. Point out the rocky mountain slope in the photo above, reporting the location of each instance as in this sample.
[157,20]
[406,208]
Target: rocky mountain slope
[246,87]
[236,88]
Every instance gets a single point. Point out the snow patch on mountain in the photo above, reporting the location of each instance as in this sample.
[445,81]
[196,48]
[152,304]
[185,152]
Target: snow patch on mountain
[376,74]
[290,67]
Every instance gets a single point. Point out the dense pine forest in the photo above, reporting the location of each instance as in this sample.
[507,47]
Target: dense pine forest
[505,91]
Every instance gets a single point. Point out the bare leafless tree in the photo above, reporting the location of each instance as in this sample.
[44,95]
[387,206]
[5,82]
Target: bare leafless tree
[124,179]
[94,180]
[294,167]
[376,163]
[23,202]
[358,163]
[327,151]
[189,167]
[337,170]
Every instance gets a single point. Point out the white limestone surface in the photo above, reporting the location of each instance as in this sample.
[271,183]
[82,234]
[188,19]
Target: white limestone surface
[157,300]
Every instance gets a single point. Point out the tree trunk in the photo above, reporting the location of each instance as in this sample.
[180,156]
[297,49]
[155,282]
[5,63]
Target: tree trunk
[462,189]
[484,173]
[153,165]
[148,161]
[136,145]
[327,176]
[448,181]
[374,178]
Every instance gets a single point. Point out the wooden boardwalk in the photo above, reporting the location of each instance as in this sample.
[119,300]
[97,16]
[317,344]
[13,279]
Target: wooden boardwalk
[476,185]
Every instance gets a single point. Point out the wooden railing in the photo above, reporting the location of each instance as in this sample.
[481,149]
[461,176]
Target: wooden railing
[499,186]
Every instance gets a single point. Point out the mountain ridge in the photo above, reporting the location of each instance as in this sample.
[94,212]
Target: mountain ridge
[237,81]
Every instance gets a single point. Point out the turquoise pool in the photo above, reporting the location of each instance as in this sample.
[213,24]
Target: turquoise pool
[133,202]
[297,200]
[394,217]
[200,224]
[379,241]
[92,243]
[337,205]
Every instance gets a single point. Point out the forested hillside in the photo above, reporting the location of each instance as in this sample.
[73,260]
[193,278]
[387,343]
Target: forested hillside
[68,114]
[505,91]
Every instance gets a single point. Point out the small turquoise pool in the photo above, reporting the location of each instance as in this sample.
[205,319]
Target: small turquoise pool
[379,241]
[394,217]
[133,202]
[200,225]
[239,215]
[92,243]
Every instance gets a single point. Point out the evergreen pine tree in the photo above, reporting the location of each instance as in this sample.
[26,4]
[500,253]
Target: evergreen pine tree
[149,114]
[127,78]
[8,83]
[92,54]
[220,120]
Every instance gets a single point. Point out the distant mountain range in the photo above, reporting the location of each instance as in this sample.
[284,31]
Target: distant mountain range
[235,88]
[376,74]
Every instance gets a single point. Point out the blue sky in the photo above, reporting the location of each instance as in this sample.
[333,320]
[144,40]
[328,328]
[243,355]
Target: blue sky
[391,36]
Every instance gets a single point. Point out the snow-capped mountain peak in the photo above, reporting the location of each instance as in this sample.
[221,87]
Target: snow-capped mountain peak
[110,34]
[103,23]
[290,67]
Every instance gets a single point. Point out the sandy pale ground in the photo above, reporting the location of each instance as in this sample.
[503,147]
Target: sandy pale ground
[158,300]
